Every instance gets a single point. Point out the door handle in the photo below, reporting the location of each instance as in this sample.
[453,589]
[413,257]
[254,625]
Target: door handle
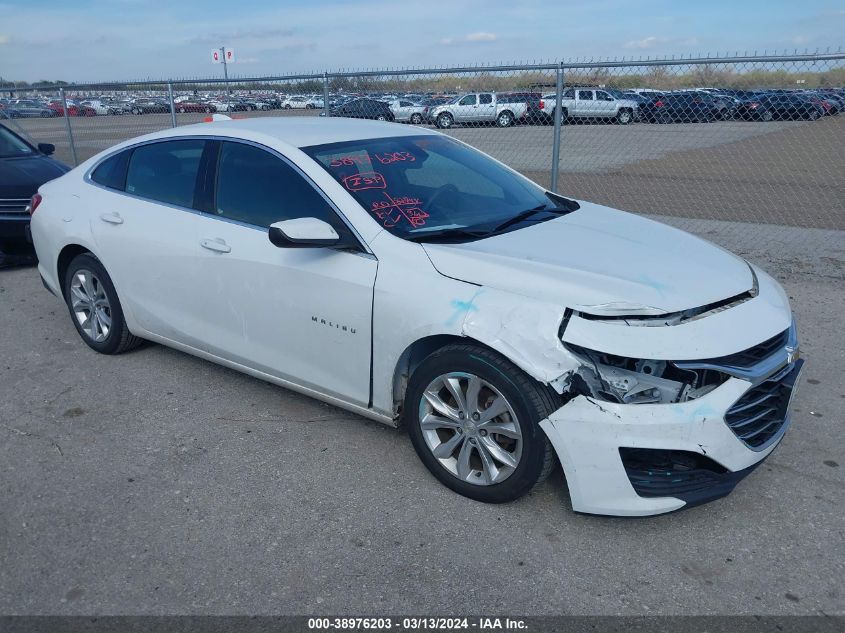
[111,218]
[216,245]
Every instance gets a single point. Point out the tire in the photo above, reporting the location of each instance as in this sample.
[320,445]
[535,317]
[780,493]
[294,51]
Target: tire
[207,109]
[624,116]
[814,115]
[287,106]
[180,110]
[117,339]
[505,119]
[766,115]
[520,459]
[444,121]
[564,116]
[381,117]
[416,119]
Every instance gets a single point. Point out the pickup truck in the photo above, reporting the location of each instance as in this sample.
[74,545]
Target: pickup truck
[478,107]
[592,103]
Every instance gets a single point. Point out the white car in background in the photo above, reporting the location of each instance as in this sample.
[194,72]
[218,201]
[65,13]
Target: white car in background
[98,106]
[220,105]
[406,111]
[296,102]
[478,107]
[411,278]
[590,103]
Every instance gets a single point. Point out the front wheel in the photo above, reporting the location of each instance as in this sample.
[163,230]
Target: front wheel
[416,119]
[95,308]
[624,117]
[445,121]
[473,418]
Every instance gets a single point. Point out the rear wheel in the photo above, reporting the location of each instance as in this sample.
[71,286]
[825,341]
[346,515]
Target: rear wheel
[624,117]
[94,307]
[473,418]
[505,119]
[416,119]
[814,114]
[444,121]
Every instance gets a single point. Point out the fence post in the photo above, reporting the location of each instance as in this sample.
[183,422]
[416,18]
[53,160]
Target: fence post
[67,127]
[172,107]
[325,94]
[556,141]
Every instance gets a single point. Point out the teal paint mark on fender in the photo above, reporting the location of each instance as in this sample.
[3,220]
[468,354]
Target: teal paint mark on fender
[462,309]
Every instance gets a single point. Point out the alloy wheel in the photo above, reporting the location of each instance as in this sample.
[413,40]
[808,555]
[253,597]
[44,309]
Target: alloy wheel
[90,305]
[470,428]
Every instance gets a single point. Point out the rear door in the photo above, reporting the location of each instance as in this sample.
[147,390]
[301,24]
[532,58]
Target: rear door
[145,231]
[585,103]
[486,107]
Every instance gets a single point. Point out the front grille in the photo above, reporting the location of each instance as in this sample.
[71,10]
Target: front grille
[758,416]
[752,356]
[14,207]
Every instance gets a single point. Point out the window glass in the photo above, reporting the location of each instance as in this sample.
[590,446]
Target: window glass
[12,145]
[256,187]
[603,96]
[468,100]
[568,94]
[112,171]
[165,171]
[419,184]
[585,95]
[485,98]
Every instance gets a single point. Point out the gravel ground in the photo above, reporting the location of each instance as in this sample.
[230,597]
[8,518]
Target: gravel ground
[158,483]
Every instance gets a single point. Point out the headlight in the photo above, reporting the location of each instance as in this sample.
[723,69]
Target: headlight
[642,381]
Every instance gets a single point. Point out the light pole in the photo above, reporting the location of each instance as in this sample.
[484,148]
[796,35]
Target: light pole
[226,72]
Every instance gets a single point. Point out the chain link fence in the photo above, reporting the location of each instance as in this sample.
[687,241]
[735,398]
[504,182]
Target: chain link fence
[742,147]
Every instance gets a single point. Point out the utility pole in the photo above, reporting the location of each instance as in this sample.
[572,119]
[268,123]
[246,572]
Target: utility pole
[225,71]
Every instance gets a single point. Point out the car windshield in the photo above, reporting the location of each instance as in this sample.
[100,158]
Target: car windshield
[11,145]
[433,188]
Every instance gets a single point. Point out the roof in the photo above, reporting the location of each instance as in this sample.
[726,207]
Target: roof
[300,131]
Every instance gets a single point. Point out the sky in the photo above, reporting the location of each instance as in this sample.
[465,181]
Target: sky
[104,40]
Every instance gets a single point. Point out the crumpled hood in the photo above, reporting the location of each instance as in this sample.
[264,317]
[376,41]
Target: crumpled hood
[601,261]
[21,176]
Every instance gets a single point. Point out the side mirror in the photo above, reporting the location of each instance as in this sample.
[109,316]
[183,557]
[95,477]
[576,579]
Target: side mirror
[303,233]
[46,148]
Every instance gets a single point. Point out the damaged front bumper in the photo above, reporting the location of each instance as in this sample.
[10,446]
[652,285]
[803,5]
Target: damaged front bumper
[645,459]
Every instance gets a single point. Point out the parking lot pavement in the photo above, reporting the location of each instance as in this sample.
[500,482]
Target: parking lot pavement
[159,483]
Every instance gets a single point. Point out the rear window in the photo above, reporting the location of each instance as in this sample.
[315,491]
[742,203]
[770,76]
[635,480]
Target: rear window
[166,172]
[111,172]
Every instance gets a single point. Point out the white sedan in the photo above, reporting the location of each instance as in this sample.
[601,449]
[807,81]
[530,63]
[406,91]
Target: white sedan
[410,278]
[407,111]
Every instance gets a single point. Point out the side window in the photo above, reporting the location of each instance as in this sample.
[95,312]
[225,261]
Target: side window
[256,187]
[569,94]
[485,98]
[166,171]
[603,96]
[585,95]
[111,172]
[468,100]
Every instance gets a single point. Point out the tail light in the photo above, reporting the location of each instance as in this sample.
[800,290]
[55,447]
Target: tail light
[658,104]
[33,203]
[542,104]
